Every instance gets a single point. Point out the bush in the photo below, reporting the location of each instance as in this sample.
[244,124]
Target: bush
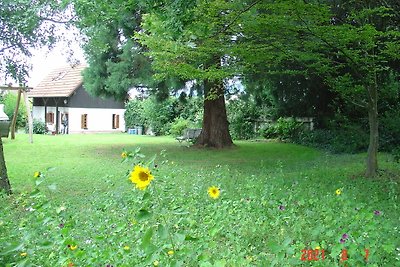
[347,139]
[39,127]
[178,126]
[389,131]
[242,115]
[284,128]
[134,114]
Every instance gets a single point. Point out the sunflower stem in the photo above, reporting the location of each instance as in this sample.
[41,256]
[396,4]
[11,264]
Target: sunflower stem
[164,220]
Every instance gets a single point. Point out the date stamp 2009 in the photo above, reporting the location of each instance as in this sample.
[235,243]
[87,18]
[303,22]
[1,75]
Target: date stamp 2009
[319,254]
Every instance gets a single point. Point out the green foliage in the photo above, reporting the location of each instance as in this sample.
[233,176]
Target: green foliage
[285,189]
[178,126]
[10,101]
[336,139]
[159,114]
[39,127]
[134,114]
[25,28]
[163,115]
[283,128]
[243,116]
[390,131]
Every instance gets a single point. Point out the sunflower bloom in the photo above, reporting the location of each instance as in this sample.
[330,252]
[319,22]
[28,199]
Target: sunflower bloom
[214,192]
[127,248]
[141,177]
[73,247]
[124,155]
[24,254]
[338,192]
[171,252]
[318,247]
[37,175]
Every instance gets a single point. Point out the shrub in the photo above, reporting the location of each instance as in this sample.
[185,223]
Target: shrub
[134,114]
[178,126]
[284,128]
[390,131]
[347,139]
[39,127]
[242,116]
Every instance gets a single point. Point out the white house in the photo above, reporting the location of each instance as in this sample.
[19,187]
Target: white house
[60,99]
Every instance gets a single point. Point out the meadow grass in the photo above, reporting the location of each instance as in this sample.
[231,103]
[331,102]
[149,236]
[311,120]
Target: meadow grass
[276,200]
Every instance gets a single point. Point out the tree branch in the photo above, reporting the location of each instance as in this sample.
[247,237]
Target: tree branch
[227,26]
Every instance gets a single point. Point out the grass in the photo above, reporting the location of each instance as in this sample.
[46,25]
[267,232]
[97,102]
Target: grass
[276,200]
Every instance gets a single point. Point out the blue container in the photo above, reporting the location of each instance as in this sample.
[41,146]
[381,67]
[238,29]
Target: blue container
[132,131]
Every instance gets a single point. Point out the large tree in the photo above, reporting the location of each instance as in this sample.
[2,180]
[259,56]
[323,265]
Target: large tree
[194,40]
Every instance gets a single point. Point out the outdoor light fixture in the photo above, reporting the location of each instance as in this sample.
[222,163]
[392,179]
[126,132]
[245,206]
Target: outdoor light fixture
[65,101]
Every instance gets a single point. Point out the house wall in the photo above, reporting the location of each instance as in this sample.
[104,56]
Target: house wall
[98,119]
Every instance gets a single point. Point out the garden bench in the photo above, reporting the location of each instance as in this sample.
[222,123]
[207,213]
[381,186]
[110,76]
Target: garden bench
[189,135]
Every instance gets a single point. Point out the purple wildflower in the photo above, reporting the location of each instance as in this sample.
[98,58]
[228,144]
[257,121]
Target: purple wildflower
[377,212]
[281,207]
[342,240]
[345,236]
[61,225]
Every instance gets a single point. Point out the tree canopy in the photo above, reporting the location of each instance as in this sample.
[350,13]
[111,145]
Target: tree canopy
[27,25]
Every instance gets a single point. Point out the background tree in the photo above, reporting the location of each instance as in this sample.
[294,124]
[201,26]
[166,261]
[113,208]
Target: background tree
[351,55]
[25,25]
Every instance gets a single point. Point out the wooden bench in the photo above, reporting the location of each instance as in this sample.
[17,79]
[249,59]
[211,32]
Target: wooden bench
[189,135]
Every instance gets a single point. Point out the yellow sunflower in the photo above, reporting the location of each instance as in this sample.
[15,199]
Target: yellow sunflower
[73,247]
[338,191]
[214,192]
[124,155]
[141,177]
[37,174]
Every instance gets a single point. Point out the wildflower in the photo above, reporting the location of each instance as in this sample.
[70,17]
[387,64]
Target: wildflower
[342,241]
[281,207]
[37,175]
[141,177]
[127,248]
[171,252]
[124,155]
[70,264]
[345,236]
[24,254]
[377,212]
[317,247]
[155,263]
[338,192]
[214,192]
[73,247]
[61,225]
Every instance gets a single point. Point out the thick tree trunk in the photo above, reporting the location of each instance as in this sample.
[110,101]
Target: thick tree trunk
[4,182]
[372,156]
[215,132]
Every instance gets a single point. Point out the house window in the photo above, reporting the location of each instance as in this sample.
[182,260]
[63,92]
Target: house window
[84,121]
[115,121]
[50,118]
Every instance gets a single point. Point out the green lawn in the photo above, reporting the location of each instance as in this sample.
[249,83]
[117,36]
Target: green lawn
[276,200]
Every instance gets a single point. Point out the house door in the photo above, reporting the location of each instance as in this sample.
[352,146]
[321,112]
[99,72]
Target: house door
[64,123]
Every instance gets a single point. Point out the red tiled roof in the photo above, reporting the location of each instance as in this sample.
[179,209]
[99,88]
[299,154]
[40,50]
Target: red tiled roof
[61,82]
